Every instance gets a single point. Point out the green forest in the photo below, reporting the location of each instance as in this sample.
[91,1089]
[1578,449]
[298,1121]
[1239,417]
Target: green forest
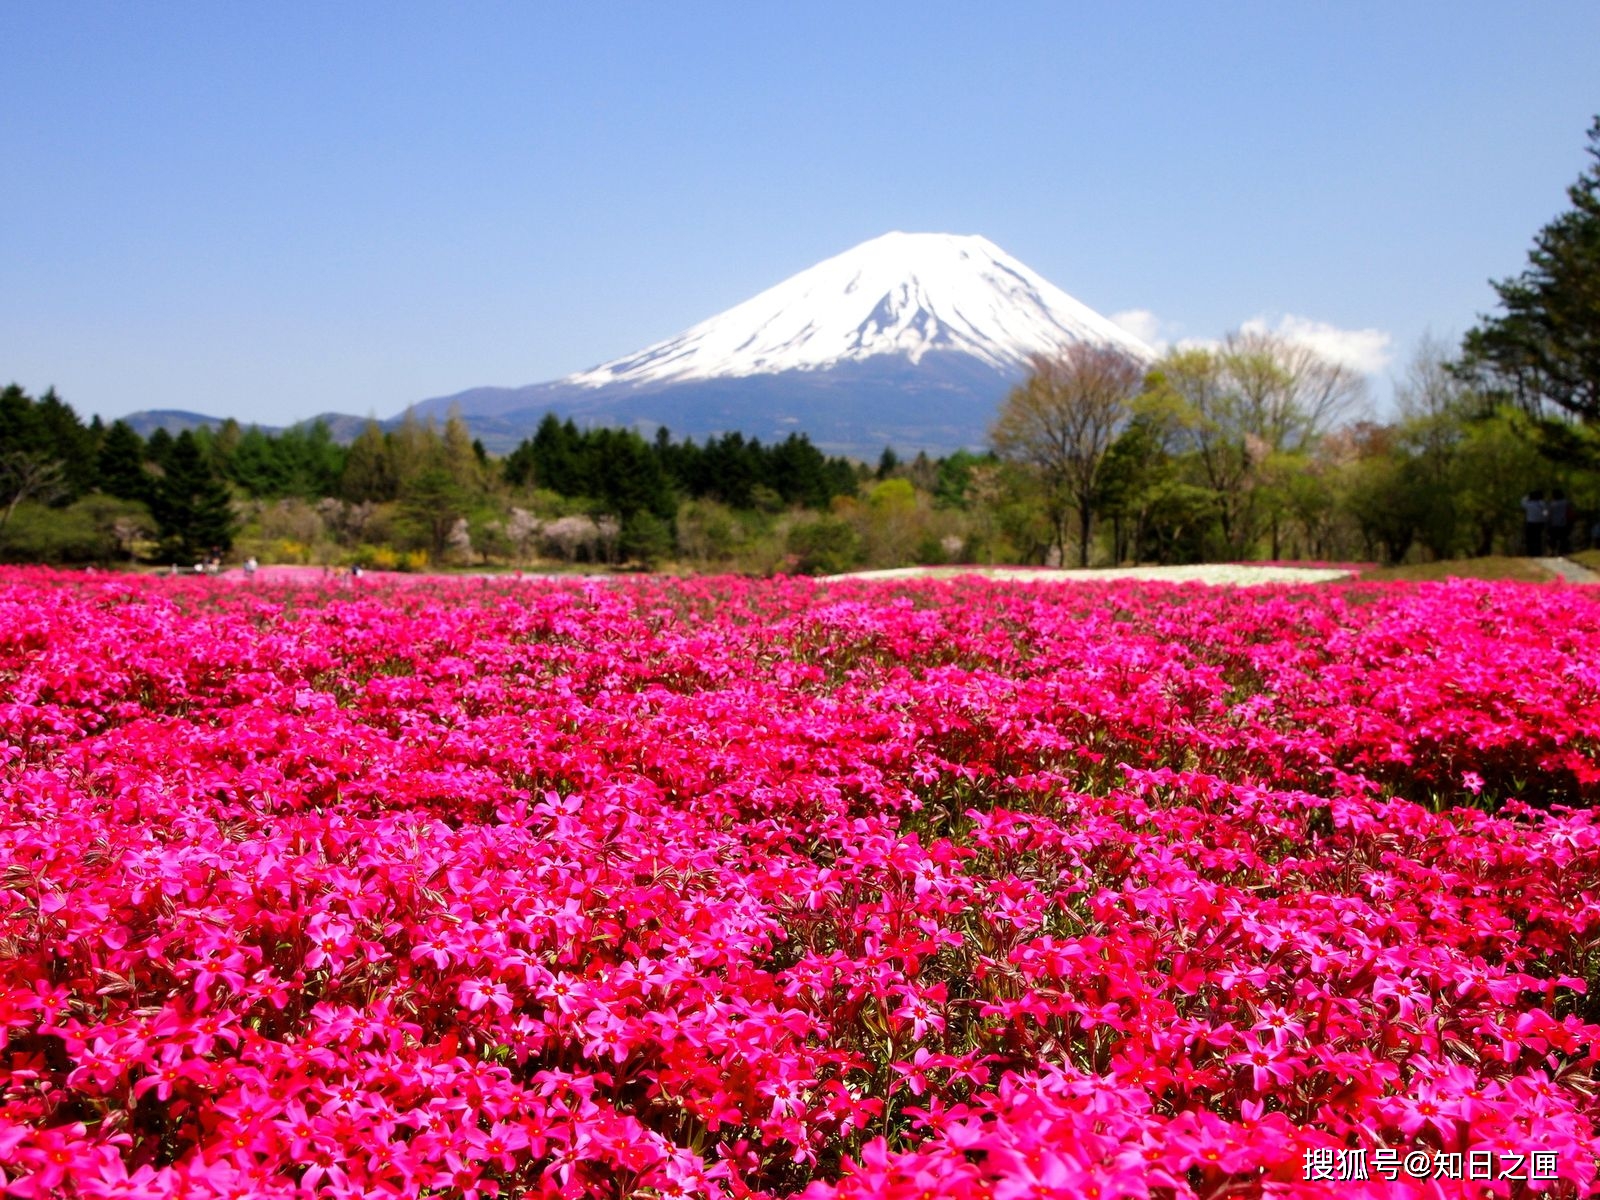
[1250,449]
[1199,468]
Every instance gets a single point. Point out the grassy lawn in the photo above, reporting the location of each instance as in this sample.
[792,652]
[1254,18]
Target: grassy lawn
[1496,566]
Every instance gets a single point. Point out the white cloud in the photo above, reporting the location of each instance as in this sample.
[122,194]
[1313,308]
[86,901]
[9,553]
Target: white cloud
[1365,350]
[1143,324]
[1368,351]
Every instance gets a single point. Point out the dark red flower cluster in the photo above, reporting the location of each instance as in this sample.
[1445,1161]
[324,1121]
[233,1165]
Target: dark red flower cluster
[742,888]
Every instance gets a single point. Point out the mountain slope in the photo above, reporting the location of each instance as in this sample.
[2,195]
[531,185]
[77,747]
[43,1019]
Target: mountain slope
[910,338]
[902,295]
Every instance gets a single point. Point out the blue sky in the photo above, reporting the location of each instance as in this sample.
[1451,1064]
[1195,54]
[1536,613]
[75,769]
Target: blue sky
[279,210]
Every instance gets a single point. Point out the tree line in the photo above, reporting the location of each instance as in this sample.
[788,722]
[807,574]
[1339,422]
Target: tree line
[92,492]
[1252,448]
[1256,447]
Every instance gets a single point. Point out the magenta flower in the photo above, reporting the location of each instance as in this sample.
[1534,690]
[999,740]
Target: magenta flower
[727,888]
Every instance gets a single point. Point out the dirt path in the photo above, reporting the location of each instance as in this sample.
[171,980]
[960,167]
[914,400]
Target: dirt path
[1565,568]
[1214,573]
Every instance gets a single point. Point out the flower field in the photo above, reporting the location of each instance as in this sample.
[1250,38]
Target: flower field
[767,888]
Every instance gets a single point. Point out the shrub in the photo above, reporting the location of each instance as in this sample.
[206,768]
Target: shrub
[95,529]
[824,546]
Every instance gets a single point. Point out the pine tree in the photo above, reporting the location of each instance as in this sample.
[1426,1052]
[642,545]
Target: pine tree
[414,448]
[797,472]
[48,431]
[369,472]
[458,456]
[628,477]
[256,466]
[121,464]
[158,446]
[557,457]
[1546,346]
[432,503]
[191,504]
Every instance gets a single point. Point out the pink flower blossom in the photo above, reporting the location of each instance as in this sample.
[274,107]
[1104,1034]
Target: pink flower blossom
[732,887]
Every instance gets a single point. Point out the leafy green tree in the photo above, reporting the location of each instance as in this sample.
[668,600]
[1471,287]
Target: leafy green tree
[191,505]
[1310,500]
[1385,494]
[432,504]
[707,531]
[1137,464]
[1251,411]
[1437,410]
[890,523]
[1497,463]
[953,476]
[1151,491]
[646,538]
[1286,394]
[94,529]
[1544,347]
[824,546]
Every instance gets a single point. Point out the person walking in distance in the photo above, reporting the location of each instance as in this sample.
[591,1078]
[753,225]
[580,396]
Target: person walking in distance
[1558,524]
[1533,518]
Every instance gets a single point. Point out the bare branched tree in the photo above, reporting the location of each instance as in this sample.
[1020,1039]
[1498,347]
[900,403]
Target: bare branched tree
[1061,421]
[1290,395]
[25,475]
[522,530]
[1216,426]
[1256,408]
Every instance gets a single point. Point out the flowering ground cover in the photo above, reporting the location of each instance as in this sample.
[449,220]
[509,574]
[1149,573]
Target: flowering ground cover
[945,888]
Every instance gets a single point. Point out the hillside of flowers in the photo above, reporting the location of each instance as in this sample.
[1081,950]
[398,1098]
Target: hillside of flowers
[784,888]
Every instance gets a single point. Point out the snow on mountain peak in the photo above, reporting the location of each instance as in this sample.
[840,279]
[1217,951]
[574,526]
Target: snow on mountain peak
[901,293]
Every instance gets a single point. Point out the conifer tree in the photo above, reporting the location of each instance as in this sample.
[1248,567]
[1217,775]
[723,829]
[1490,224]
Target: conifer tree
[1545,347]
[121,464]
[369,472]
[157,447]
[191,504]
[459,459]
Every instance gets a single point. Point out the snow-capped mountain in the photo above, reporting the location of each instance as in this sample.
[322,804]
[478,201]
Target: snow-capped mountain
[910,339]
[902,294]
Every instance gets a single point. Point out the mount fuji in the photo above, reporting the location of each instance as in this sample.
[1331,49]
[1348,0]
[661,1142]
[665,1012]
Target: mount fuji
[910,340]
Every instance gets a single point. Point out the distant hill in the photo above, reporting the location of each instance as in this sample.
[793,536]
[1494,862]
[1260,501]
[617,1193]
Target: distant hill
[173,420]
[344,428]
